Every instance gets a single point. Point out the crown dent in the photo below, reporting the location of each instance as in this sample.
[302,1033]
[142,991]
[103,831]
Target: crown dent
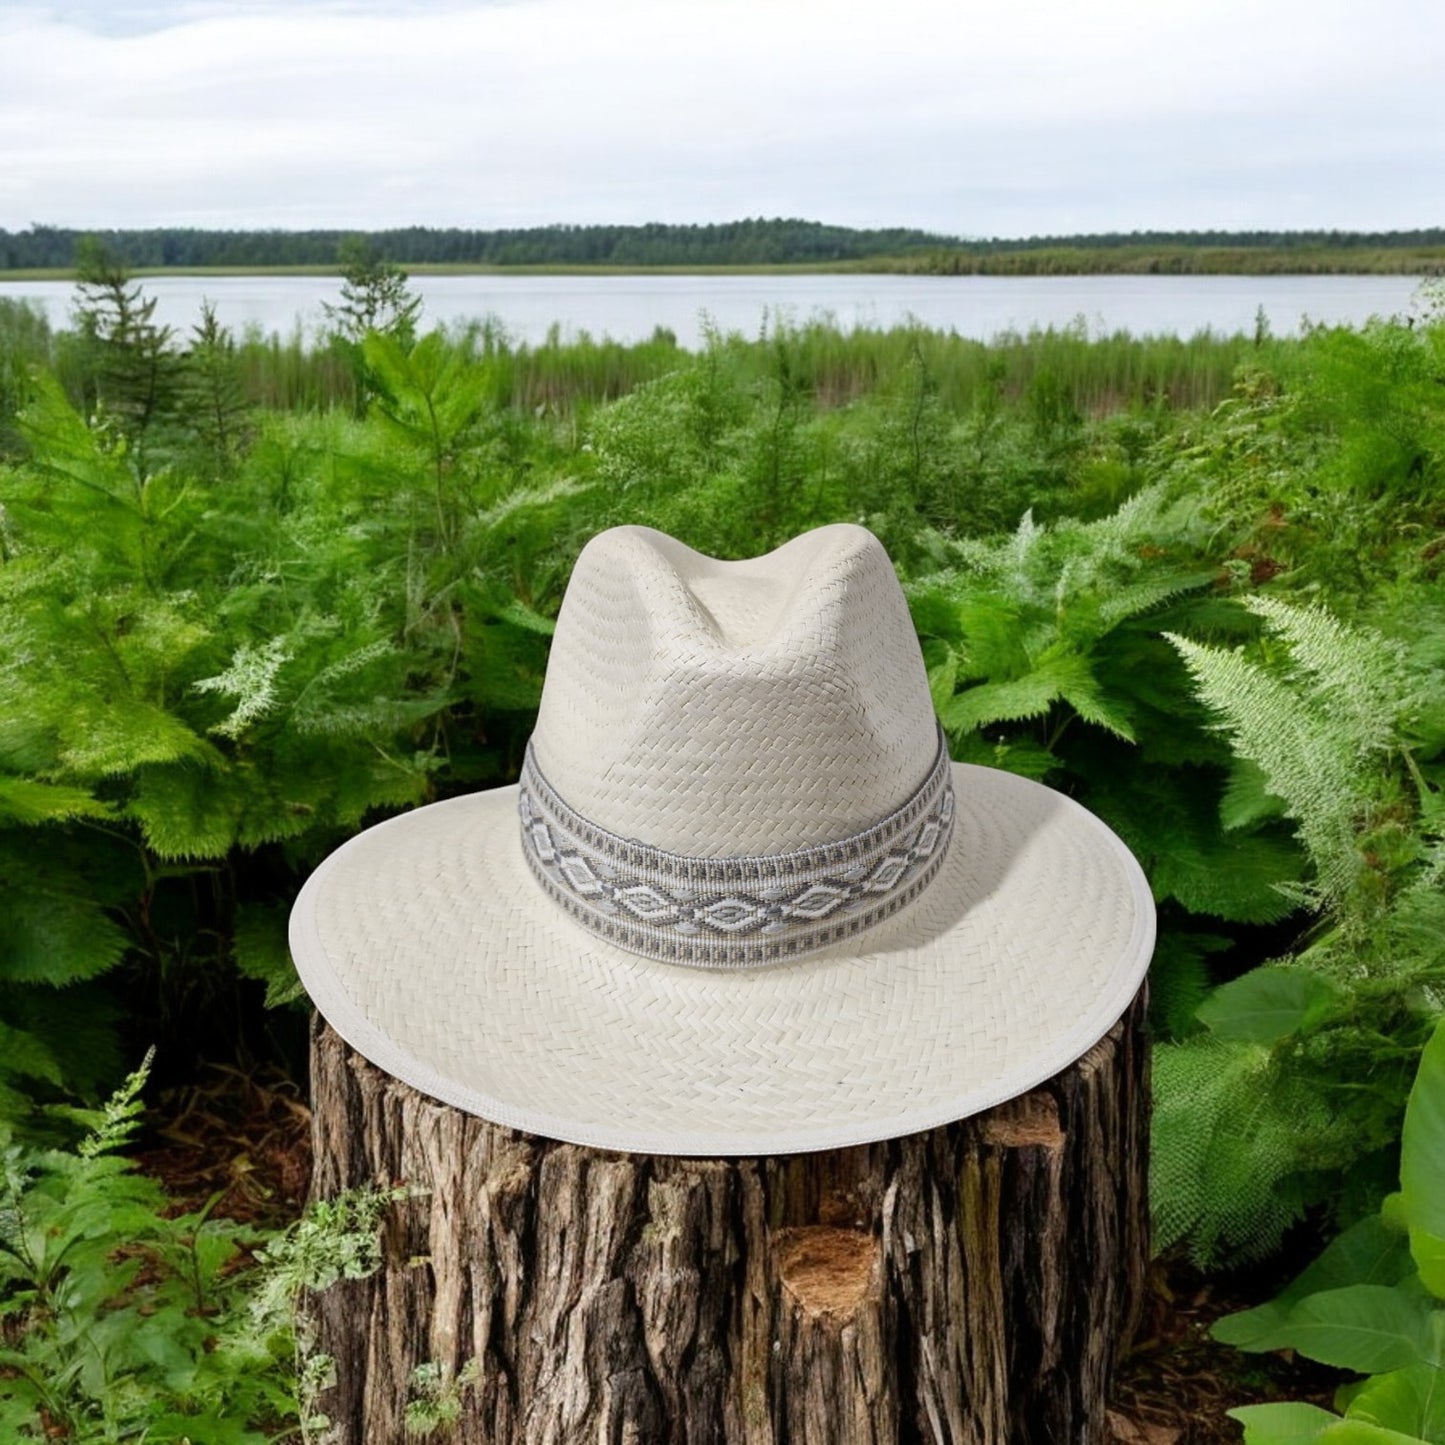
[735,708]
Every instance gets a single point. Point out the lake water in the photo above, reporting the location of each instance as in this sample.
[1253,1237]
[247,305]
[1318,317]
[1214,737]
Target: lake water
[628,308]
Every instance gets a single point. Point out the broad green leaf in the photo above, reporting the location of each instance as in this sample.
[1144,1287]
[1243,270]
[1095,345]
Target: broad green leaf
[1359,1432]
[1367,1328]
[1368,1252]
[992,702]
[1079,687]
[1265,1327]
[934,611]
[55,938]
[23,1053]
[990,634]
[1268,1004]
[1289,1422]
[1429,1252]
[1410,1400]
[1231,878]
[1247,799]
[1422,1164]
[1171,825]
[26,801]
[942,678]
[212,1428]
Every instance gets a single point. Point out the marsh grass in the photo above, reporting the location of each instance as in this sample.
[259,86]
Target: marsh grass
[1096,375]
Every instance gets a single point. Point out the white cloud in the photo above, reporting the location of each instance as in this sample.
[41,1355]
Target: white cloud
[1044,115]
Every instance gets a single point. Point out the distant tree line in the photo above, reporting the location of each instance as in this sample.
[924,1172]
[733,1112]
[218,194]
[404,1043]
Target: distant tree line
[736,243]
[759,242]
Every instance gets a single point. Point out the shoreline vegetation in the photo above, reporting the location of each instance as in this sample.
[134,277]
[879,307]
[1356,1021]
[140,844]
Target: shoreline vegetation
[744,247]
[257,593]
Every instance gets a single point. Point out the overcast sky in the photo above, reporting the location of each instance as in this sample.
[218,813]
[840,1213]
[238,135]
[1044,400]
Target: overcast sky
[1007,118]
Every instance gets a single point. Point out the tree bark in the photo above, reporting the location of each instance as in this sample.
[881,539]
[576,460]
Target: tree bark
[972,1285]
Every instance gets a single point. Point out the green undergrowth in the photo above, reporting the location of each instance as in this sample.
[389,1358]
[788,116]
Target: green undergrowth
[1196,586]
[1372,1304]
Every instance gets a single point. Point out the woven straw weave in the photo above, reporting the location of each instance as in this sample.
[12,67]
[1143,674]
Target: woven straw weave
[730,709]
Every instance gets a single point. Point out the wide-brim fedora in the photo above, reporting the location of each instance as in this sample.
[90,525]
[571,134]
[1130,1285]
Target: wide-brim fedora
[741,902]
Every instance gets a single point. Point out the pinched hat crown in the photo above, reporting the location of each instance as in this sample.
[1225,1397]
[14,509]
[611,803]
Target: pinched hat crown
[735,708]
[734,763]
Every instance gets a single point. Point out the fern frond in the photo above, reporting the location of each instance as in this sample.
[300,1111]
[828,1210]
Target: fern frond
[120,1114]
[1306,759]
[1141,597]
[1360,676]
[252,680]
[1234,1141]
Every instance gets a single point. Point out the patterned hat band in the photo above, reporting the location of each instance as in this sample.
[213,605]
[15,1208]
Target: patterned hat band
[734,912]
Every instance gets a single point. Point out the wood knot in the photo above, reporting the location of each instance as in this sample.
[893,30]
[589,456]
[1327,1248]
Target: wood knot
[827,1271]
[1033,1119]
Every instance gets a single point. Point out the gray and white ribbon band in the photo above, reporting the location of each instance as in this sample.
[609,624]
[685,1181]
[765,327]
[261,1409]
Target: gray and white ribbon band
[734,912]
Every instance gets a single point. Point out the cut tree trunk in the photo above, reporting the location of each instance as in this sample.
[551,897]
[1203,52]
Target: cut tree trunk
[974,1283]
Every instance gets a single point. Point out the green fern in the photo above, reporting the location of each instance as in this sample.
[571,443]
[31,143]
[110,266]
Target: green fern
[1257,1117]
[1312,724]
[132,1320]
[1057,626]
[1241,1145]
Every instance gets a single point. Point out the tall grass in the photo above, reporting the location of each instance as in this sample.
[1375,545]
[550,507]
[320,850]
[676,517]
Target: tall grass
[1095,375]
[1056,368]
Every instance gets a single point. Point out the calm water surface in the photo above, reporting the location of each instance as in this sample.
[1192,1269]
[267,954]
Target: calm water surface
[629,308]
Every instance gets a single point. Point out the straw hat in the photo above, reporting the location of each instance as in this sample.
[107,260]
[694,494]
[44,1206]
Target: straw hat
[741,901]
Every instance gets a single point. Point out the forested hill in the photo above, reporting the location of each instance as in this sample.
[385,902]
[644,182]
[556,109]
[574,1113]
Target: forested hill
[755,242]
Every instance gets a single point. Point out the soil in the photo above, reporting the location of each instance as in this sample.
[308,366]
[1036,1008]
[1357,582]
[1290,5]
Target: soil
[246,1134]
[1176,1383]
[243,1134]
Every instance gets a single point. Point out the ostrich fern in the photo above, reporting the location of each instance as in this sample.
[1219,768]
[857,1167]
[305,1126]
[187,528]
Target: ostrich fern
[1315,716]
[1299,1078]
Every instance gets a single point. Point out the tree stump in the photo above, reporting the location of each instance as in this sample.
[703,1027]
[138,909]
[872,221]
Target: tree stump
[974,1283]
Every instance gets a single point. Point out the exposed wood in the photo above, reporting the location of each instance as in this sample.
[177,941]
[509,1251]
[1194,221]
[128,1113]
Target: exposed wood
[971,1284]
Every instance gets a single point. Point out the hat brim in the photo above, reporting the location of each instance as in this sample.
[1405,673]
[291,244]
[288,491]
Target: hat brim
[430,948]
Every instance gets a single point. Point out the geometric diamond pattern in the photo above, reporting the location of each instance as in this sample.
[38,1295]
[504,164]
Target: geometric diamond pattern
[887,873]
[732,915]
[729,912]
[579,875]
[645,902]
[818,902]
[542,842]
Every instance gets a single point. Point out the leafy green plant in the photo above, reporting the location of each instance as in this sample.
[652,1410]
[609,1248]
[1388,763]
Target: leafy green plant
[210,674]
[1045,655]
[437,1396]
[124,1320]
[1301,1068]
[1372,1303]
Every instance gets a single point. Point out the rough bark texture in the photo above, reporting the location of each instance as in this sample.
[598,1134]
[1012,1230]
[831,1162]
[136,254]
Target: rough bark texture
[971,1284]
